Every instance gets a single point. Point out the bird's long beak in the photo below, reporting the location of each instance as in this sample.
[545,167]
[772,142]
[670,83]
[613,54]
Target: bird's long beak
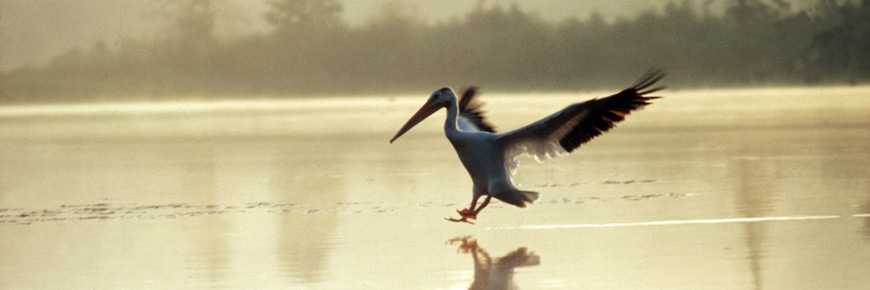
[427,109]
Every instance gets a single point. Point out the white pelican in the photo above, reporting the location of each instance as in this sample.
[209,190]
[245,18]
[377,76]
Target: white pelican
[490,158]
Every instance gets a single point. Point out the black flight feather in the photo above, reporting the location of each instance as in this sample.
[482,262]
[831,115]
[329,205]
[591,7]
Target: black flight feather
[600,115]
[469,108]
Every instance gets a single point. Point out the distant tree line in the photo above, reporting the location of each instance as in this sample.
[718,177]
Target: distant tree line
[312,51]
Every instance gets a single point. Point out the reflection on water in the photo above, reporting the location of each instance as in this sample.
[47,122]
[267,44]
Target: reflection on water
[301,246]
[497,273]
[753,196]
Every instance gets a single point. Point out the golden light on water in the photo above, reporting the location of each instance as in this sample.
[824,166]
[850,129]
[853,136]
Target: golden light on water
[729,187]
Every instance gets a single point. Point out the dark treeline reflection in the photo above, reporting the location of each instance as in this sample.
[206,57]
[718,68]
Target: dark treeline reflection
[312,51]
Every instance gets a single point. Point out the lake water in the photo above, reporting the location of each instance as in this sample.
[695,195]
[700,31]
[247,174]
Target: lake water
[732,189]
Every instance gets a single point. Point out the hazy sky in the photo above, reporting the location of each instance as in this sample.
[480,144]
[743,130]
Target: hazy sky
[33,31]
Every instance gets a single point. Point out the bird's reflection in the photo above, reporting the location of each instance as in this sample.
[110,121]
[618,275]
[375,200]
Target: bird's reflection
[495,273]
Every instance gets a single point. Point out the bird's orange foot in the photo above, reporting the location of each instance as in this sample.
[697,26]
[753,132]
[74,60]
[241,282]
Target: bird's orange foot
[465,213]
[463,220]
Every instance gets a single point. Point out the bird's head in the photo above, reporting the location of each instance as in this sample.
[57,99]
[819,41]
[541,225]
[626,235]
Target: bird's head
[439,99]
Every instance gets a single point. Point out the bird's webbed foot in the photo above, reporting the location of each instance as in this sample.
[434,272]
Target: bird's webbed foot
[461,220]
[466,214]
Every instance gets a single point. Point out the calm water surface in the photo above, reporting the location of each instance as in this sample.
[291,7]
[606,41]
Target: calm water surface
[737,189]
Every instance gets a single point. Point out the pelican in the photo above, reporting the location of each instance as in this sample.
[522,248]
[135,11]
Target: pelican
[490,158]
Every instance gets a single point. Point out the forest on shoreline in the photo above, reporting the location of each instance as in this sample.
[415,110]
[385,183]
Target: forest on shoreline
[311,51]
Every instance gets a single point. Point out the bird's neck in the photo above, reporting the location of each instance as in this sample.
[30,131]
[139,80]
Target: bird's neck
[452,115]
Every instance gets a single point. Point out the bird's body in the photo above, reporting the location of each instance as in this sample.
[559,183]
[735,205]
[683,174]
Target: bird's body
[483,155]
[490,158]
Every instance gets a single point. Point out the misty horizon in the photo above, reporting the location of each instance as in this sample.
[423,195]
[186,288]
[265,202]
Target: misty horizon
[35,33]
[311,48]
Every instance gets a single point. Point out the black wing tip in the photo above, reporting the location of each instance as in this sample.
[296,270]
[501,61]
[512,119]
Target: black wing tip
[611,110]
[469,107]
[468,94]
[641,89]
[650,91]
[649,78]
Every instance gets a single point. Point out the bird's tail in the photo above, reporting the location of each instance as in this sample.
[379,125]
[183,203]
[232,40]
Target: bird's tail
[517,197]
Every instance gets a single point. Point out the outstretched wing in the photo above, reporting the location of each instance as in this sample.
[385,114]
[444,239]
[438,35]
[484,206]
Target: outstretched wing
[470,115]
[565,130]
